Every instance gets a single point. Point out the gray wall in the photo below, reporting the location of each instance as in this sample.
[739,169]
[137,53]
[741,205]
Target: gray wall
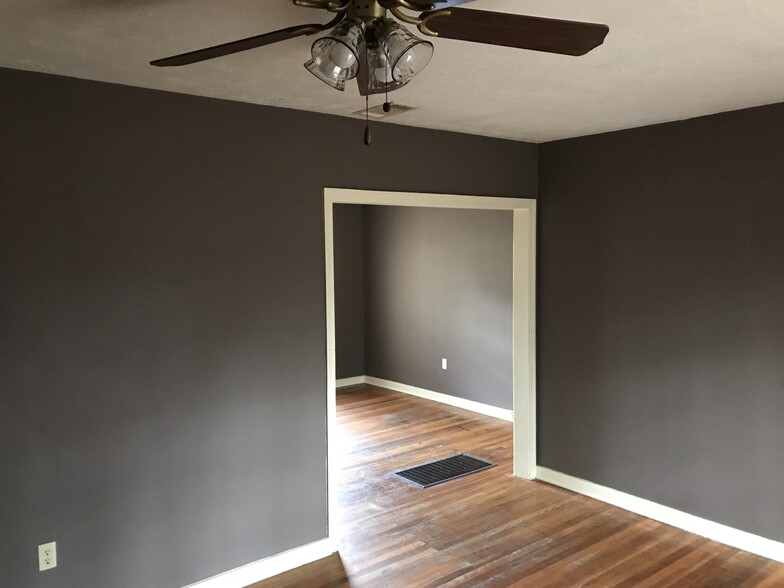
[438,284]
[661,319]
[349,250]
[162,359]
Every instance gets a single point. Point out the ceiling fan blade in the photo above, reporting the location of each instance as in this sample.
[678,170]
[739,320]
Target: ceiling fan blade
[436,4]
[237,46]
[514,30]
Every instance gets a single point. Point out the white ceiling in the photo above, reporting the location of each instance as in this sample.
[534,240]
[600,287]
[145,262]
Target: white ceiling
[663,60]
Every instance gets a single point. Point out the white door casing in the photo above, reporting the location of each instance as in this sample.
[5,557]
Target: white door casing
[524,314]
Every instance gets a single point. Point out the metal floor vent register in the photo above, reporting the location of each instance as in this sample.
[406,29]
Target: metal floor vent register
[443,470]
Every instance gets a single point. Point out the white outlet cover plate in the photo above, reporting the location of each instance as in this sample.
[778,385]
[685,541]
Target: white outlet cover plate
[443,363]
[47,556]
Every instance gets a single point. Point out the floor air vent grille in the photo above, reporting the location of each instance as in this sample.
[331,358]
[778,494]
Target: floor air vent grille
[443,470]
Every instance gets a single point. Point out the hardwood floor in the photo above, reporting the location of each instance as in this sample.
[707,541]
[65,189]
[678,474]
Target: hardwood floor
[490,529]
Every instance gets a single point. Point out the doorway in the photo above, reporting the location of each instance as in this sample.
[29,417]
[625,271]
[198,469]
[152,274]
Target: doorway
[523,328]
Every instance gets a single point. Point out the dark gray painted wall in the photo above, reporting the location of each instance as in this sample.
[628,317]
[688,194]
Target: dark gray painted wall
[438,284]
[349,249]
[162,358]
[661,320]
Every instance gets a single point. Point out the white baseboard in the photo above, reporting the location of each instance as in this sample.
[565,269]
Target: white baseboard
[355,381]
[485,409]
[272,566]
[716,531]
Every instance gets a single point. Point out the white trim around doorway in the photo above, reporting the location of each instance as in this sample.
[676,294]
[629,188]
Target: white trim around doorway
[523,301]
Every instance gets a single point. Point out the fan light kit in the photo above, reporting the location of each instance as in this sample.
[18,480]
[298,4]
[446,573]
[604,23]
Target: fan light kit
[366,44]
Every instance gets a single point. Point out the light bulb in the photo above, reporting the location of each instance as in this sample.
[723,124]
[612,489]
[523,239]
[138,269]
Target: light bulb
[342,56]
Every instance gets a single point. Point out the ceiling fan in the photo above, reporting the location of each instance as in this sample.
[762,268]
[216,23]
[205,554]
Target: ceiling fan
[382,55]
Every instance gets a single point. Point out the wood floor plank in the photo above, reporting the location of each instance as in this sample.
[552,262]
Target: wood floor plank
[489,529]
[325,573]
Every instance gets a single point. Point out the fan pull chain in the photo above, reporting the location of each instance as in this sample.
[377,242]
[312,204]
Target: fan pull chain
[368,137]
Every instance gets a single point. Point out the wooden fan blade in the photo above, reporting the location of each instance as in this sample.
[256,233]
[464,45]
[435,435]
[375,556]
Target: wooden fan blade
[514,30]
[237,46]
[436,4]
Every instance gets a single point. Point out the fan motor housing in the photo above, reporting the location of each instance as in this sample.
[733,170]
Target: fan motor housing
[368,11]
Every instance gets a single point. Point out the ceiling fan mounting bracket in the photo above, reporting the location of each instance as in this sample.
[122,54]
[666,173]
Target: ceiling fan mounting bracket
[396,6]
[422,26]
[403,17]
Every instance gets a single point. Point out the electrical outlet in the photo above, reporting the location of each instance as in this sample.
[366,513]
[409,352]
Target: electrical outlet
[443,363]
[47,556]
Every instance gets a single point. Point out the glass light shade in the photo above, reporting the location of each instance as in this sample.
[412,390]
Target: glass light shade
[381,76]
[407,53]
[335,58]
